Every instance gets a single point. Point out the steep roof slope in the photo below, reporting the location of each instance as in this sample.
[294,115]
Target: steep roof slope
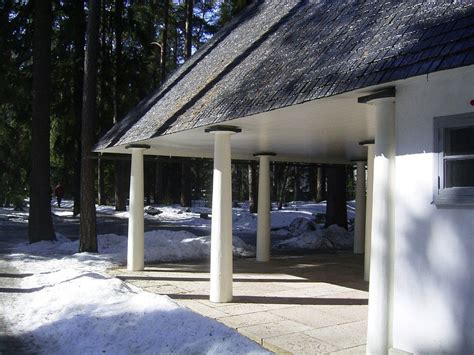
[280,53]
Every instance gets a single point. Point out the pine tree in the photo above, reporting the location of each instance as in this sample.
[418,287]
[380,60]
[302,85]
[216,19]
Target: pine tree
[120,165]
[186,190]
[164,40]
[40,226]
[253,187]
[336,210]
[88,236]
[321,184]
[78,19]
[188,31]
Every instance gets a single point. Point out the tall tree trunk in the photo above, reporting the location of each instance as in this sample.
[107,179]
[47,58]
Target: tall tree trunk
[88,236]
[188,31]
[336,210]
[148,175]
[296,183]
[253,190]
[78,18]
[164,41]
[312,183]
[40,224]
[158,193]
[284,182]
[186,197]
[120,166]
[175,46]
[118,58]
[121,188]
[100,182]
[104,100]
[321,184]
[240,171]
[351,183]
[275,180]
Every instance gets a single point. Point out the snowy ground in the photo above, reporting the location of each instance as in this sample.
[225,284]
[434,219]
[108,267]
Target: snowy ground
[66,303]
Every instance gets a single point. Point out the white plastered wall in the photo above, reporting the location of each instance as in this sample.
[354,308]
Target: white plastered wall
[433,309]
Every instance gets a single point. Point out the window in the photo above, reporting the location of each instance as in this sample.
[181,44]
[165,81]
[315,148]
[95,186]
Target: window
[454,144]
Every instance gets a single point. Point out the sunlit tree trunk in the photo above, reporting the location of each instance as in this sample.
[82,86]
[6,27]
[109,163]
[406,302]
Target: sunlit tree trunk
[88,236]
[253,191]
[284,182]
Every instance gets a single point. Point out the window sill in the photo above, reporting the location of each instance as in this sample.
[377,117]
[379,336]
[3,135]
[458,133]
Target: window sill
[454,202]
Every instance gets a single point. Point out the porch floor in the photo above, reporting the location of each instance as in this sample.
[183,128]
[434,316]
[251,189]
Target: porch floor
[293,304]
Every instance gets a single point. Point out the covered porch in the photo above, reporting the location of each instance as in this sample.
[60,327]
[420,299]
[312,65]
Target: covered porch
[307,83]
[299,304]
[336,130]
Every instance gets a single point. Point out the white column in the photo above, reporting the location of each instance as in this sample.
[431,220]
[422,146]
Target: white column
[368,211]
[135,250]
[380,290]
[359,227]
[221,228]
[264,215]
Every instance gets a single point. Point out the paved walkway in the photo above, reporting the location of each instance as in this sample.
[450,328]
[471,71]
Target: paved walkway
[305,304]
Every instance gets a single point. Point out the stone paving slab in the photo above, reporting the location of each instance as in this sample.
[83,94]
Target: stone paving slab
[291,305]
[357,350]
[299,343]
[344,336]
[274,329]
[310,316]
[250,319]
[203,309]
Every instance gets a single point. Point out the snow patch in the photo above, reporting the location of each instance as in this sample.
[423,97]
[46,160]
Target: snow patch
[160,246]
[70,311]
[333,237]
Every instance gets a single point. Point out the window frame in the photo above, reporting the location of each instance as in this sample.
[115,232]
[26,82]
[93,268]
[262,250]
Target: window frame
[451,195]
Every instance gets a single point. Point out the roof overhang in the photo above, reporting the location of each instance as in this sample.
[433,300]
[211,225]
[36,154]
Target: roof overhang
[322,131]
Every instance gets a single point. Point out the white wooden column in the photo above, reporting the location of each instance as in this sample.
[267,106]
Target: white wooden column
[136,244]
[221,227]
[264,207]
[381,258]
[368,207]
[359,227]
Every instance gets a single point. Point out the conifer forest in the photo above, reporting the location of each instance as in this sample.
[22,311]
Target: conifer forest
[70,69]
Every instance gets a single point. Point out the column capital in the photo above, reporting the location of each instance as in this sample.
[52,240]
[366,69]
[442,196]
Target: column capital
[386,95]
[223,128]
[359,160]
[367,142]
[264,154]
[139,146]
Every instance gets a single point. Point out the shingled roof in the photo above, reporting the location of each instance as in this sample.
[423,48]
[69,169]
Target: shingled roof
[281,53]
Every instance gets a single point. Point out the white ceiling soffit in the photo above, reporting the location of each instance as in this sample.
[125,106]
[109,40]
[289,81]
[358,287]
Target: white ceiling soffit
[326,130]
